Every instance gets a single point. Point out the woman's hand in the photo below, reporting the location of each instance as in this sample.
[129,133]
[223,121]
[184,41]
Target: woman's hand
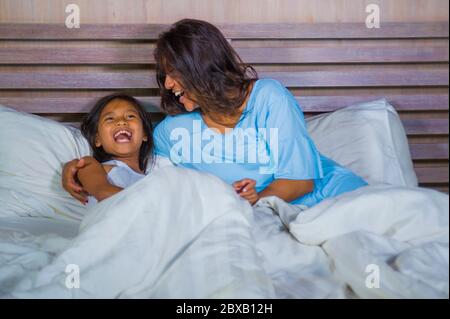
[246,189]
[94,179]
[70,180]
[90,174]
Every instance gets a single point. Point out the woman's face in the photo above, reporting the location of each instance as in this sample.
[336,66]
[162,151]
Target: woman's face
[120,130]
[177,89]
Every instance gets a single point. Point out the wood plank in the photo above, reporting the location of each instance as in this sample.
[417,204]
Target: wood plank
[304,79]
[431,151]
[426,126]
[336,31]
[343,55]
[432,175]
[314,104]
[373,78]
[74,56]
[232,31]
[31,31]
[438,102]
[259,11]
[81,80]
[39,105]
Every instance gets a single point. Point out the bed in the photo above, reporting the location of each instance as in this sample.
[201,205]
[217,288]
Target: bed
[388,240]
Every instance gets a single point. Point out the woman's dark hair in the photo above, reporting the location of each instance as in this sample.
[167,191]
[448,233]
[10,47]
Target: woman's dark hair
[205,64]
[89,128]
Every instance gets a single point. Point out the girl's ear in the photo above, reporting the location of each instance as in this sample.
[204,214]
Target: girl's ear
[145,139]
[97,141]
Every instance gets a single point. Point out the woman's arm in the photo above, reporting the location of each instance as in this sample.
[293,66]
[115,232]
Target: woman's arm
[93,178]
[288,189]
[70,182]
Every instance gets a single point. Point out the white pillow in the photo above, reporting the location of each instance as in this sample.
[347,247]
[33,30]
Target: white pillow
[32,152]
[367,138]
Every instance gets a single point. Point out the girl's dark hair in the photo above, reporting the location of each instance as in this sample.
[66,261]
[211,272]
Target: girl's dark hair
[205,64]
[89,128]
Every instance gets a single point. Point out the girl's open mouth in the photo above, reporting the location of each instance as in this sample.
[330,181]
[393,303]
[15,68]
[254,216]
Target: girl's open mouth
[122,136]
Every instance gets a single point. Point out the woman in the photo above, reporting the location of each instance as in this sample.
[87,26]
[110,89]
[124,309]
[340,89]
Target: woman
[223,120]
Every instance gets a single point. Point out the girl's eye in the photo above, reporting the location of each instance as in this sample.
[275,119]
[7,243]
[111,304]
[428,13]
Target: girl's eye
[108,119]
[131,116]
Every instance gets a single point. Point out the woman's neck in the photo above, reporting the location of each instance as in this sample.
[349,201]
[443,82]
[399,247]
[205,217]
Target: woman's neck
[222,122]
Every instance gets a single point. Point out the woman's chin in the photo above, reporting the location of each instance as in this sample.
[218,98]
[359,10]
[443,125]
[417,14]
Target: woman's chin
[189,108]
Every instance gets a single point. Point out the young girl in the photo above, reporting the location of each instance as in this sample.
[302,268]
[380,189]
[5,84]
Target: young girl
[120,134]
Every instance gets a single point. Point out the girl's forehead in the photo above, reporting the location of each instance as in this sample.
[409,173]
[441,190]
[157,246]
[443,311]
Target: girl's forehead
[119,105]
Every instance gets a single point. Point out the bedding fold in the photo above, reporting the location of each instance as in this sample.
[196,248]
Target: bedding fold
[176,233]
[383,241]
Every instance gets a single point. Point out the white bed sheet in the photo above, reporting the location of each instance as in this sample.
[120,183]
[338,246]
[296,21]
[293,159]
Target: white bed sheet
[321,252]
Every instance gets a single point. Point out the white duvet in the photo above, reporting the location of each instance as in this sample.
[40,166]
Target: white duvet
[380,241]
[182,234]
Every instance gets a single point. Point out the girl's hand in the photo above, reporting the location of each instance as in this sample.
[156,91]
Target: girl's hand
[246,189]
[70,180]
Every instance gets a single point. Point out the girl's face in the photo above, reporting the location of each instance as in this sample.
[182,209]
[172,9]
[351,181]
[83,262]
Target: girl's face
[177,89]
[120,131]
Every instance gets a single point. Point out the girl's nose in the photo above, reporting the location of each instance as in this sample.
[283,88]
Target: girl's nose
[121,122]
[169,82]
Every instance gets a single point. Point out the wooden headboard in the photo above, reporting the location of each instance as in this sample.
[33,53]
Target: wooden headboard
[58,72]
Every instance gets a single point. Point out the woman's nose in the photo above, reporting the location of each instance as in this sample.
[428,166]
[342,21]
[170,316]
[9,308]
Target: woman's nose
[169,82]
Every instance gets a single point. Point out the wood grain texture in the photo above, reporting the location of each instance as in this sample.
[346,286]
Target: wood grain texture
[315,104]
[426,126]
[222,11]
[232,31]
[432,175]
[334,55]
[431,151]
[307,79]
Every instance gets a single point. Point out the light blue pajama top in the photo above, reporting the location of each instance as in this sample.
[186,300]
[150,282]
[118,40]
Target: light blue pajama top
[121,175]
[269,142]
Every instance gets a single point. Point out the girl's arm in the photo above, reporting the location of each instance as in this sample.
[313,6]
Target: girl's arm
[93,178]
[288,189]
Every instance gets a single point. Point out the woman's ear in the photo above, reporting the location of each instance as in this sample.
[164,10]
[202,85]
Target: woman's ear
[97,141]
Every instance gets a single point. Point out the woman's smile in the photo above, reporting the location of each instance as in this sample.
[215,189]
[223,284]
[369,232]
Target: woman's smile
[180,95]
[175,86]
[183,98]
